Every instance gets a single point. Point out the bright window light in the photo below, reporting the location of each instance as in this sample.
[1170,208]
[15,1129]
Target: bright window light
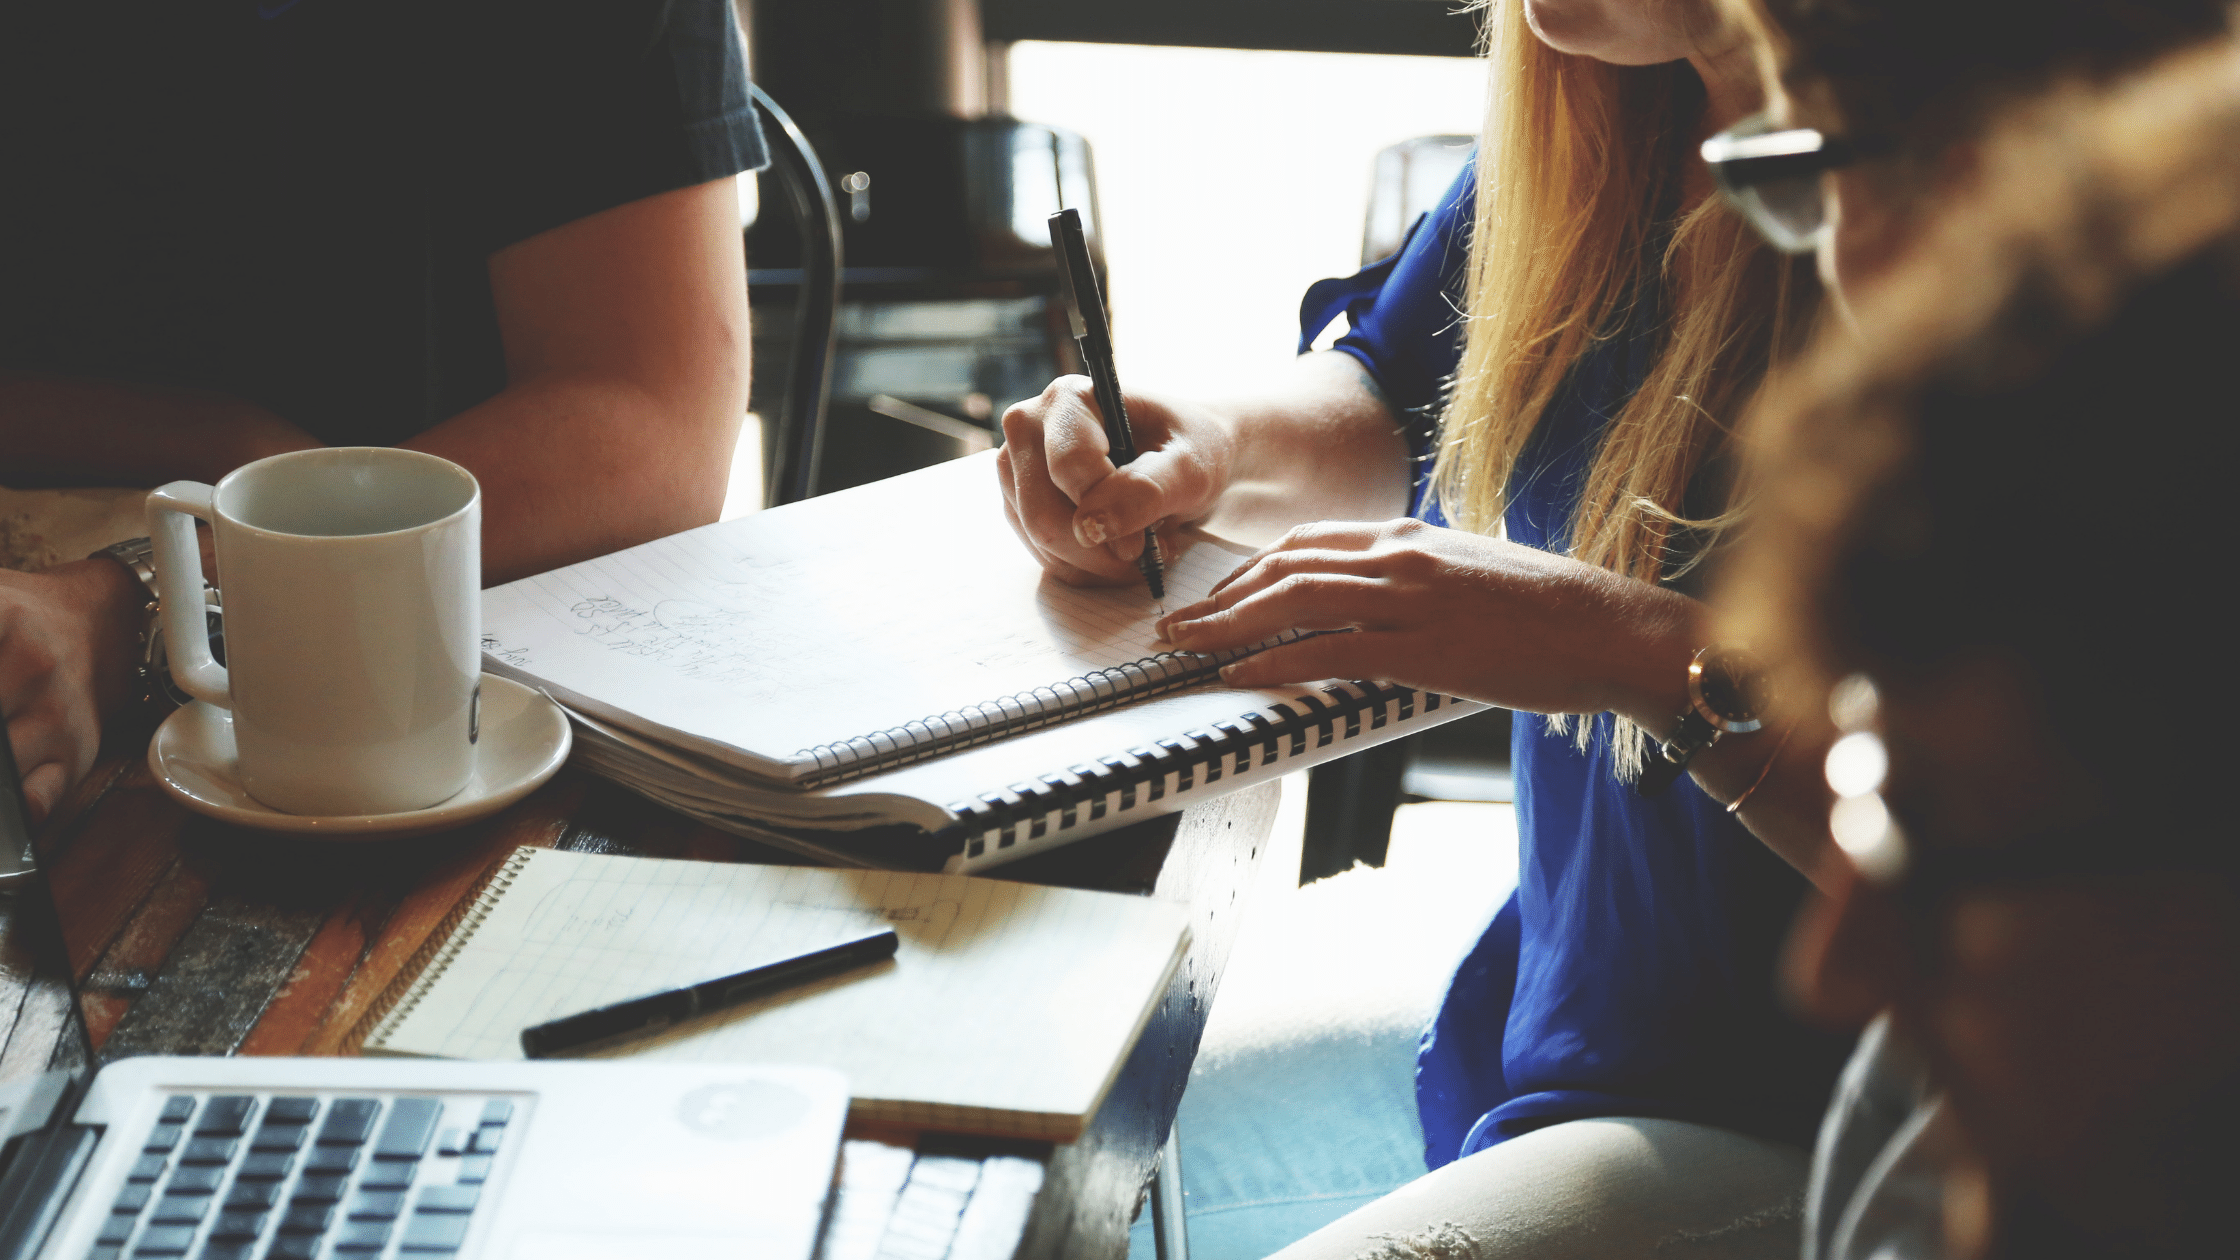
[743,489]
[1230,181]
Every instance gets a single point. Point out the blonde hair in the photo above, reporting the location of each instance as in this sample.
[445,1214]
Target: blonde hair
[1579,180]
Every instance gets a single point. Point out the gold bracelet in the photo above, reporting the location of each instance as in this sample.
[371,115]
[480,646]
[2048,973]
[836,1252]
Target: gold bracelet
[1786,732]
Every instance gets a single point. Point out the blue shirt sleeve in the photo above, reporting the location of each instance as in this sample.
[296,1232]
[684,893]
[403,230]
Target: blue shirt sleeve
[1405,313]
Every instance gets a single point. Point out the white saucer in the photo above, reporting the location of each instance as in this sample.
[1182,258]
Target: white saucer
[524,739]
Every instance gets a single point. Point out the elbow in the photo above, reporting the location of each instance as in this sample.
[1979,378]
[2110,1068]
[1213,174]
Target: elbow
[698,435]
[701,412]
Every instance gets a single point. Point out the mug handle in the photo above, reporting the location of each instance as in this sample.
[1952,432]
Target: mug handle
[172,510]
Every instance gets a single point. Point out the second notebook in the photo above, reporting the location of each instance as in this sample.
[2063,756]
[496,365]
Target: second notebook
[1008,1009]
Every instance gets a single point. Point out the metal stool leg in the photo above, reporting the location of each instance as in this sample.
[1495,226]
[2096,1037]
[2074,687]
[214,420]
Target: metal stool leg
[1350,803]
[1170,1233]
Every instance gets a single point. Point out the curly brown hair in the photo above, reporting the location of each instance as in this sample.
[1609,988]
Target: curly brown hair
[1925,72]
[2023,450]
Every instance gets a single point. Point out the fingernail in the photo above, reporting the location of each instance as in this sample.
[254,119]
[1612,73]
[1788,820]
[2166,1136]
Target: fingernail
[1091,531]
[1228,673]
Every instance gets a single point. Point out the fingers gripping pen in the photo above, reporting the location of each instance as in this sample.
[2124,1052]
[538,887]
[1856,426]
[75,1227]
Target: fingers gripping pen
[1085,312]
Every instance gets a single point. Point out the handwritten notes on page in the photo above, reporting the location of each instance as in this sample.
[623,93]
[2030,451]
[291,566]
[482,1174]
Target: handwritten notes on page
[758,638]
[1008,1009]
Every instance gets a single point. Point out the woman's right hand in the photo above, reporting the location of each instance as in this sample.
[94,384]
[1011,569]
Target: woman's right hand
[1081,517]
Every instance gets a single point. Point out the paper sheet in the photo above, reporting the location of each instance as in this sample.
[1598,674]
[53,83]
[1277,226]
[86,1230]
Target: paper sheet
[847,615]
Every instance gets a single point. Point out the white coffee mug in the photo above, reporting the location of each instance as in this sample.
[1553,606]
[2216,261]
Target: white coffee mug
[351,580]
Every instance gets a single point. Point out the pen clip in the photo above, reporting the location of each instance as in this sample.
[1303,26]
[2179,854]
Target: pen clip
[1076,282]
[1079,327]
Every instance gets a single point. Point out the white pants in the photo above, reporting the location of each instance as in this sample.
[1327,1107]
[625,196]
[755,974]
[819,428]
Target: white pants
[1610,1189]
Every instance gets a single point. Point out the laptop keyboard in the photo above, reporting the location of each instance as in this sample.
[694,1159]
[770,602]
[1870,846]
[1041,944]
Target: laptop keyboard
[304,1177]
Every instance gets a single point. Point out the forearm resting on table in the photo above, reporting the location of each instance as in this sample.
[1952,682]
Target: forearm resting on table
[578,467]
[626,340]
[1321,443]
[69,431]
[1316,442]
[613,457]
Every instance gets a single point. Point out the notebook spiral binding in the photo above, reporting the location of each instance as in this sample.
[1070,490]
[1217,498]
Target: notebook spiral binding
[1092,692]
[1029,811]
[435,955]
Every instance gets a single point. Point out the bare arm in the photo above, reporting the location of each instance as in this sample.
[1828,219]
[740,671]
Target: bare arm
[1775,770]
[626,347]
[68,431]
[1314,442]
[1789,809]
[68,636]
[1468,615]
[626,358]
[1320,444]
[626,363]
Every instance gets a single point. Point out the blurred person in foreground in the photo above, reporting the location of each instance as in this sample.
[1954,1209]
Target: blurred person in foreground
[1988,516]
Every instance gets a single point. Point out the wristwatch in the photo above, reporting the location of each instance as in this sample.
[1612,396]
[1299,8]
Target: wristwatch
[1727,695]
[153,672]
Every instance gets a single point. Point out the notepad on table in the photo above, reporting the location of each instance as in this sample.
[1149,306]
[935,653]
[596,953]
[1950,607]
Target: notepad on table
[1008,1009]
[885,676]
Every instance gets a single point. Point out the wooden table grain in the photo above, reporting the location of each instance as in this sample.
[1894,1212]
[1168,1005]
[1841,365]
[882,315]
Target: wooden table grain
[189,936]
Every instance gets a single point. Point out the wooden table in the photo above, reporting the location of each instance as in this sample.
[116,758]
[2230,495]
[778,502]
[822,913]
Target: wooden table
[188,936]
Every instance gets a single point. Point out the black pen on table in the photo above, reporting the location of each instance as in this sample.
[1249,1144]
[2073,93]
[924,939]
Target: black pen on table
[655,1011]
[1085,312]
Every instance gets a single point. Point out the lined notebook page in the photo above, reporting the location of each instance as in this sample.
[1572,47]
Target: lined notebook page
[848,614]
[1007,1009]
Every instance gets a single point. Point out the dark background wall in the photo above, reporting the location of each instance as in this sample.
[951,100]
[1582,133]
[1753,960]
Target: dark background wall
[1424,27]
[944,56]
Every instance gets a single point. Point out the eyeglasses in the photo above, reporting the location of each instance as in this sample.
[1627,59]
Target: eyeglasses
[1772,176]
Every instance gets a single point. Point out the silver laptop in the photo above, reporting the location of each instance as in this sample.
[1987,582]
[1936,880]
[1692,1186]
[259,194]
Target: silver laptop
[380,1159]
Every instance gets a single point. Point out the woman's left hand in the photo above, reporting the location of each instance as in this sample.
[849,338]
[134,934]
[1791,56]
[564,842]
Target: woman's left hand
[1451,612]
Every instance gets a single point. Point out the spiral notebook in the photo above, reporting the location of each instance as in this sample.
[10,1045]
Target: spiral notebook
[1008,1009]
[885,675]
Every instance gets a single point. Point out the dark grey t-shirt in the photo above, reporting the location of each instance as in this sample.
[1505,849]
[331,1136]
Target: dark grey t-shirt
[294,201]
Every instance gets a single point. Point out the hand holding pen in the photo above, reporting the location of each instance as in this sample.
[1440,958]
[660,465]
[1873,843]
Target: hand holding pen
[1085,312]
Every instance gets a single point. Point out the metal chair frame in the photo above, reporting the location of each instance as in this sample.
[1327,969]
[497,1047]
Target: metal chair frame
[798,427]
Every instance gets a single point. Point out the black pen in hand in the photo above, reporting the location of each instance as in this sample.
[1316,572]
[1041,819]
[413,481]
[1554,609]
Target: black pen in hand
[609,1025]
[1085,313]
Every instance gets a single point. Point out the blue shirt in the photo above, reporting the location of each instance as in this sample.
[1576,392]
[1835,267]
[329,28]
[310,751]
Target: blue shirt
[1632,973]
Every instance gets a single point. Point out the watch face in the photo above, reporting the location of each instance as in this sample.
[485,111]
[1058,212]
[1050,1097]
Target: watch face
[1732,687]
